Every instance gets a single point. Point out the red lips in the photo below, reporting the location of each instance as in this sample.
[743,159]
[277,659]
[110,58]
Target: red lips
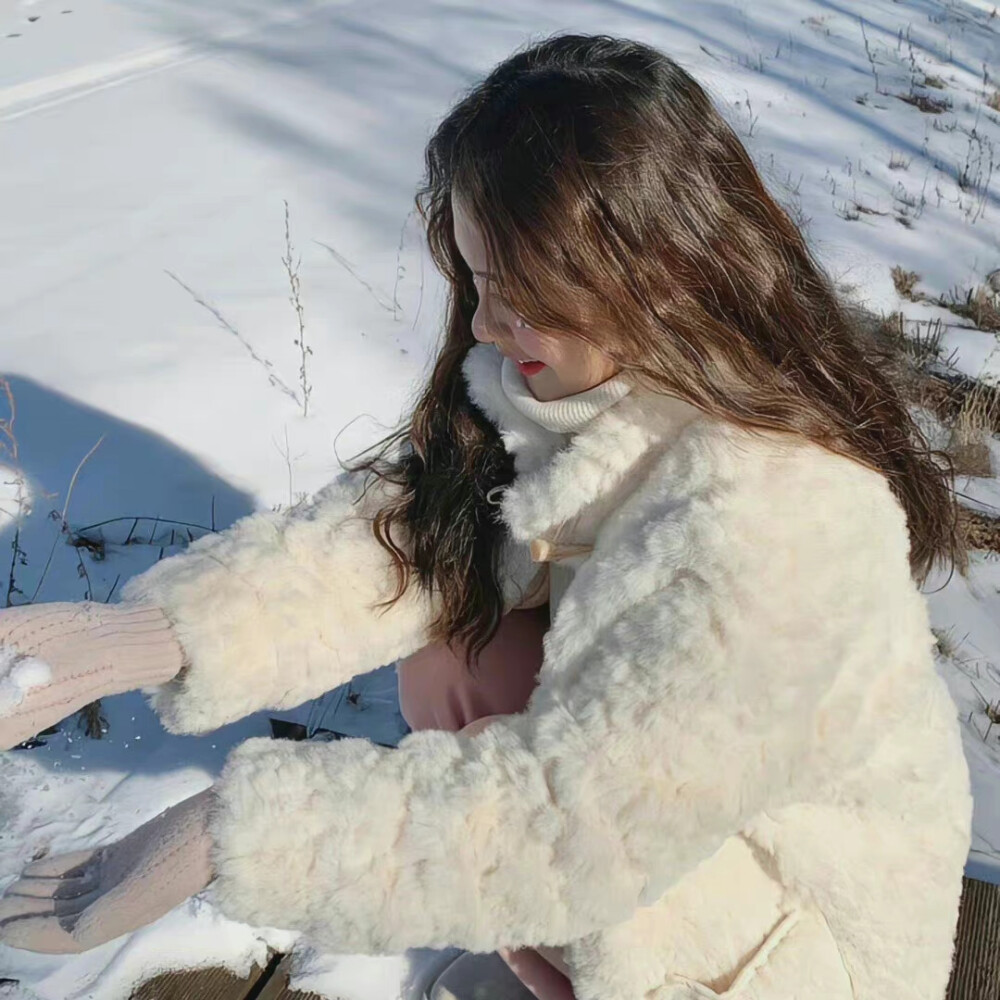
[529,368]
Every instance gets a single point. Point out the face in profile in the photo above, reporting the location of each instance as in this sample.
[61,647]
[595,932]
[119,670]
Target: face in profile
[554,365]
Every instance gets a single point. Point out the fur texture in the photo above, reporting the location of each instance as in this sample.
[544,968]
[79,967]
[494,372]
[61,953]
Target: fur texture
[739,776]
[278,609]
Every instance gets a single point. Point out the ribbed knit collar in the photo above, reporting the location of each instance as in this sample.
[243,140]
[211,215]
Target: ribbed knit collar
[566,415]
[557,478]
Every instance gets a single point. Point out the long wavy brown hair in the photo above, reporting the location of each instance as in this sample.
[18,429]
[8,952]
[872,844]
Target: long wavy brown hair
[617,206]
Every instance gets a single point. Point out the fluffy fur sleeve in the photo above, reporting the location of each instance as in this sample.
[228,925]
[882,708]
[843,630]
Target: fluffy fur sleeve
[279,608]
[713,658]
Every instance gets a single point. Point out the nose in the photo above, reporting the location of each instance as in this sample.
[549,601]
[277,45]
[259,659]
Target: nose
[483,325]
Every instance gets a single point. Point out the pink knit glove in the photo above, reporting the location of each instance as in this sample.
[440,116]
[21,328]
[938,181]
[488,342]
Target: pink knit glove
[71,902]
[56,658]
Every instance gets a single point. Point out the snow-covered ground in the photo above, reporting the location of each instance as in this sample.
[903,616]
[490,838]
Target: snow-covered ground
[147,152]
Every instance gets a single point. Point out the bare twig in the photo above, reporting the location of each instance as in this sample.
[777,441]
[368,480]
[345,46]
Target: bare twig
[82,571]
[136,518]
[400,269]
[226,325]
[76,472]
[349,267]
[292,270]
[9,442]
[871,56]
[751,116]
[991,711]
[18,558]
[286,454]
[64,527]
[420,297]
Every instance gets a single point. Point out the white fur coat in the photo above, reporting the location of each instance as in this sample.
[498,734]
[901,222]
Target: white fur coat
[739,776]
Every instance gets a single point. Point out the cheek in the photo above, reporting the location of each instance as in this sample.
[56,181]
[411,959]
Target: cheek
[533,344]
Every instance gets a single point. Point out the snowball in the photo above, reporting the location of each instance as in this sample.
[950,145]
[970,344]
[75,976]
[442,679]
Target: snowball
[18,675]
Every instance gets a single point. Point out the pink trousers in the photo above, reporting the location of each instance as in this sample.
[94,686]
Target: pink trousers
[436,691]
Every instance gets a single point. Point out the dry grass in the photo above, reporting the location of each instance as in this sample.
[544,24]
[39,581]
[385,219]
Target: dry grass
[967,408]
[981,531]
[905,281]
[978,305]
[976,421]
[979,413]
[993,101]
[947,644]
[91,718]
[929,105]
[916,346]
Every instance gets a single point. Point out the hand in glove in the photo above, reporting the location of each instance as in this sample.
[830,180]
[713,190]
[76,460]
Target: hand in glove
[56,658]
[71,902]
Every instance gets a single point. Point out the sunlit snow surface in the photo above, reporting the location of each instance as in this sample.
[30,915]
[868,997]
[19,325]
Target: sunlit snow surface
[149,148]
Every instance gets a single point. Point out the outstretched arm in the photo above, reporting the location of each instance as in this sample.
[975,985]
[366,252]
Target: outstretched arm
[279,608]
[272,611]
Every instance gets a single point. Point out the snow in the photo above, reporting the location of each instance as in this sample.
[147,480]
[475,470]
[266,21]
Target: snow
[967,613]
[18,675]
[150,147]
[13,495]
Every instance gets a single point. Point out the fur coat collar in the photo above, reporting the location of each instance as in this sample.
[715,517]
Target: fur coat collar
[555,483]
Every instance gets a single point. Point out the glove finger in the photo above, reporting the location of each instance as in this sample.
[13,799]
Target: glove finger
[15,907]
[38,933]
[70,909]
[68,887]
[61,865]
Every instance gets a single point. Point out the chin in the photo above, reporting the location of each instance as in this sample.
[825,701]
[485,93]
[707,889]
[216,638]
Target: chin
[545,386]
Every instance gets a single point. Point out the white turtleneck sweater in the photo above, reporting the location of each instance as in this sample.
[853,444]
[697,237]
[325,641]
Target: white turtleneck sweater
[563,417]
[566,415]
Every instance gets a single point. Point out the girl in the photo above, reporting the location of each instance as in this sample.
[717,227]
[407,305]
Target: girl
[653,465]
